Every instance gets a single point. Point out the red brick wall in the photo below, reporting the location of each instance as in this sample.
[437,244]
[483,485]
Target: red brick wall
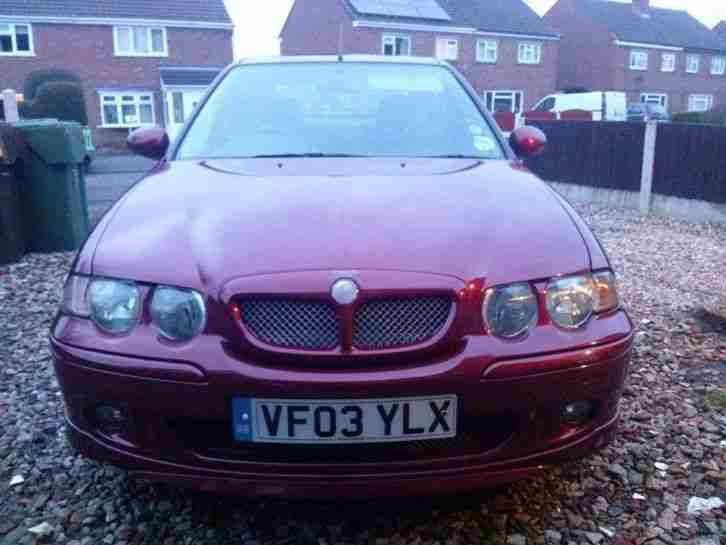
[313,28]
[88,51]
[586,49]
[677,85]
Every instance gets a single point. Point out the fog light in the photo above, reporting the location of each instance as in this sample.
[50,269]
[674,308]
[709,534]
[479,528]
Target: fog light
[110,416]
[576,413]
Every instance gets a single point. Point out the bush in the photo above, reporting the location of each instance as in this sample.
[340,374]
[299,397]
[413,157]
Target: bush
[62,100]
[37,79]
[712,117]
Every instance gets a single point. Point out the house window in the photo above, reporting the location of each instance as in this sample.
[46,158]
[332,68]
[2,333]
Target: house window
[718,66]
[487,51]
[700,103]
[16,39]
[693,63]
[140,41]
[127,110]
[504,101]
[529,53]
[447,49]
[638,60]
[669,62]
[396,45]
[655,98]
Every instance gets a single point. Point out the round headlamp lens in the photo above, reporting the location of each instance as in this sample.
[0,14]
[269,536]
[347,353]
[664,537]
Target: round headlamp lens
[569,300]
[115,305]
[178,314]
[509,311]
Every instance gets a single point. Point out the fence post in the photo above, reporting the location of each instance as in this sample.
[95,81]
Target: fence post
[10,105]
[646,178]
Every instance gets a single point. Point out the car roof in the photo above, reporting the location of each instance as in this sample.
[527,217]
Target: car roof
[378,59]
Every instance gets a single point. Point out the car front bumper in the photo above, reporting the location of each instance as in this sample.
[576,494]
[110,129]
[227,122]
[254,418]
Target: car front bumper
[512,410]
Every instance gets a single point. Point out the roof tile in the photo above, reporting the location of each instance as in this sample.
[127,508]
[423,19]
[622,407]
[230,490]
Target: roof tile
[212,11]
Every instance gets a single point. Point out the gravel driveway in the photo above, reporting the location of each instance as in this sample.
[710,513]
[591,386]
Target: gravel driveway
[670,447]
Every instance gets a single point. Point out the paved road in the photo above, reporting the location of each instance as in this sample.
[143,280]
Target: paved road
[109,178]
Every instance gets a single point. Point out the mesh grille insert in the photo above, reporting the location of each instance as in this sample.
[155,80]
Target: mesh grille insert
[399,321]
[292,323]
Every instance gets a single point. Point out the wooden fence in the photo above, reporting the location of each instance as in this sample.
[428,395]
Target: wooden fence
[594,153]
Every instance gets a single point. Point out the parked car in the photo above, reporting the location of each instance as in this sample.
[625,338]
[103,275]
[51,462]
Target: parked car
[643,112]
[341,281]
[605,106]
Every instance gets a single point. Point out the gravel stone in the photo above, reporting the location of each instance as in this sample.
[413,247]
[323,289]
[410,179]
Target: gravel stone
[671,278]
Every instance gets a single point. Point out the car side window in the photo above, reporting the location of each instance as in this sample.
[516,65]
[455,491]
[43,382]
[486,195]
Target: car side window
[547,105]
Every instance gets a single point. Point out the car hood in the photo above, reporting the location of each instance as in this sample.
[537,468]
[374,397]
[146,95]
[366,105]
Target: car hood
[200,225]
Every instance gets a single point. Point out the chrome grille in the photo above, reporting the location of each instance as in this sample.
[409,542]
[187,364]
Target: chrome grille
[395,322]
[291,323]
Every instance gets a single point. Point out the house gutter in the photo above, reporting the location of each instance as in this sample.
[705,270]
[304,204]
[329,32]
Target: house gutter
[111,21]
[386,25]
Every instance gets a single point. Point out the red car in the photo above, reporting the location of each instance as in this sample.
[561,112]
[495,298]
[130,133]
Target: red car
[340,281]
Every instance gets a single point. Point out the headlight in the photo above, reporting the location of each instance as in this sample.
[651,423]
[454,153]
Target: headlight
[569,300]
[178,314]
[572,300]
[509,311]
[115,305]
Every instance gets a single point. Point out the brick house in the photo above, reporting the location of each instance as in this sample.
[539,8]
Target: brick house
[656,55]
[141,62]
[504,49]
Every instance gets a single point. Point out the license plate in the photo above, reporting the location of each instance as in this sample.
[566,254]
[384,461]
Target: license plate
[340,421]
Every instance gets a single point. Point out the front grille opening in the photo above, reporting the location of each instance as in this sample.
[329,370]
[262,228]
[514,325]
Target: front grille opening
[291,323]
[477,435]
[396,322]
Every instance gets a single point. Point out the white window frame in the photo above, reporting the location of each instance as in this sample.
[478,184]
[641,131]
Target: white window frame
[655,98]
[636,54]
[14,40]
[119,110]
[718,65]
[488,46]
[670,65]
[523,48]
[707,101]
[491,96]
[390,39]
[447,49]
[132,52]
[693,64]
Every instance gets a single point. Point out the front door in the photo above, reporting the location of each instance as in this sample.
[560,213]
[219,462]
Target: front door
[180,104]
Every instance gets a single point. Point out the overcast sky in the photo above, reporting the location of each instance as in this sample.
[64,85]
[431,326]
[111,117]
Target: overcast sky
[258,22]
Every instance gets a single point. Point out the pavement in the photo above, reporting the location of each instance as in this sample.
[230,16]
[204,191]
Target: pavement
[109,177]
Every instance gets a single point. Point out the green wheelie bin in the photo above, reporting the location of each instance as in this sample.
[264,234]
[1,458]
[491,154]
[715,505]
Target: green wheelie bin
[54,199]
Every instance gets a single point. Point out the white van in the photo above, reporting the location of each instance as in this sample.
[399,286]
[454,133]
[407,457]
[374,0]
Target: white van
[604,105]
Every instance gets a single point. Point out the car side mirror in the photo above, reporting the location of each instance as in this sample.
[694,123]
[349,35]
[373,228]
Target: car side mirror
[151,142]
[527,141]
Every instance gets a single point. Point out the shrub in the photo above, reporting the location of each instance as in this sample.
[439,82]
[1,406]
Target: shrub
[712,117]
[62,100]
[36,79]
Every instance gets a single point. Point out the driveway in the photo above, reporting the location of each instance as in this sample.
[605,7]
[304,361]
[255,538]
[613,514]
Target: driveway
[670,447]
[110,176]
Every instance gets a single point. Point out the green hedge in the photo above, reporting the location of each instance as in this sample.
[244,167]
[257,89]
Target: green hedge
[37,79]
[60,100]
[712,117]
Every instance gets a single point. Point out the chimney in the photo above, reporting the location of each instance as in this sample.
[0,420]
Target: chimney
[641,5]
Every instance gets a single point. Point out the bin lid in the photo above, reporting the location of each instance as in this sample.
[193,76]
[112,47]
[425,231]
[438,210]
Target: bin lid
[12,146]
[55,142]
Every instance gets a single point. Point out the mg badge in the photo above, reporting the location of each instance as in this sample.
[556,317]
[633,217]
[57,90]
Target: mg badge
[344,291]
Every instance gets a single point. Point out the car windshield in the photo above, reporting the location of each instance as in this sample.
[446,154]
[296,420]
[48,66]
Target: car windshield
[339,109]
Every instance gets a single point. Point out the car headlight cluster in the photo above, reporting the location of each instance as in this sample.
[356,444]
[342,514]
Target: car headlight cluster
[510,311]
[115,306]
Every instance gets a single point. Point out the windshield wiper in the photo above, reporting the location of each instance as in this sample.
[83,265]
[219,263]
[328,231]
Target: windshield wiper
[454,156]
[302,155]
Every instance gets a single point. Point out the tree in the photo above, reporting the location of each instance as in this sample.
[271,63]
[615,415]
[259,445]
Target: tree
[40,77]
[62,100]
